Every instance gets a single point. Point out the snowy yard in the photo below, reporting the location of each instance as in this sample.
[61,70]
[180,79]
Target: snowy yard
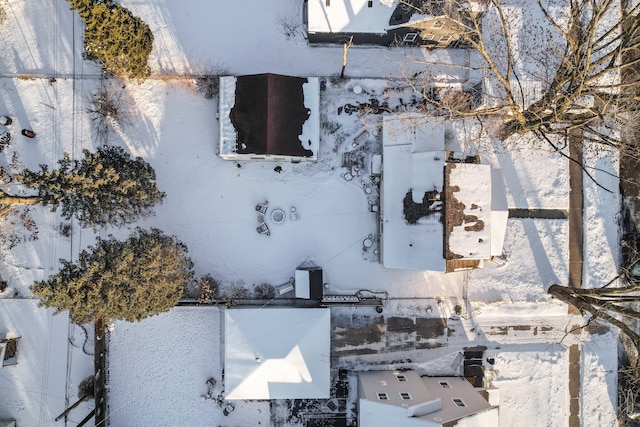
[158,368]
[188,340]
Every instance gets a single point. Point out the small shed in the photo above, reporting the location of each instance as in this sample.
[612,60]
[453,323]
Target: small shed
[308,283]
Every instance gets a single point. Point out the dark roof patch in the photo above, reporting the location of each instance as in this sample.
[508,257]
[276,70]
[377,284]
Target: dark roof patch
[268,115]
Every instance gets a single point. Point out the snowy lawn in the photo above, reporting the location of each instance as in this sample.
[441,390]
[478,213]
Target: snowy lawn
[53,358]
[537,256]
[601,217]
[520,370]
[160,366]
[599,369]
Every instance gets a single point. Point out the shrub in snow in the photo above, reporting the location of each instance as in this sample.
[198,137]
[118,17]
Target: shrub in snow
[208,80]
[237,291]
[5,139]
[206,289]
[17,226]
[110,106]
[86,387]
[264,291]
[208,85]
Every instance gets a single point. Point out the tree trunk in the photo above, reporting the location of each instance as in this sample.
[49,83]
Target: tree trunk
[344,56]
[72,407]
[563,293]
[7,199]
[568,296]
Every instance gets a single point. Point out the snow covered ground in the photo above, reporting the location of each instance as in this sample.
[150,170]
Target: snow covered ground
[53,357]
[174,392]
[158,367]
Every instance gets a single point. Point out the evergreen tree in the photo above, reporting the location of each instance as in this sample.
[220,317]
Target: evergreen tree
[116,38]
[105,187]
[128,280]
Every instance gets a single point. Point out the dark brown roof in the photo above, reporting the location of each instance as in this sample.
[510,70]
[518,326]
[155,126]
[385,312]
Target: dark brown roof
[268,115]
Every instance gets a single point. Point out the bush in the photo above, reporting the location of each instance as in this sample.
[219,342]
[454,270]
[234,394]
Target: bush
[206,289]
[109,106]
[17,226]
[113,36]
[237,291]
[208,85]
[264,291]
[86,387]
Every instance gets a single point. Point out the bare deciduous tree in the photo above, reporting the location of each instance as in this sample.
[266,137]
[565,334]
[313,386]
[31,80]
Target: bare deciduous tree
[552,68]
[3,12]
[629,396]
[616,303]
[109,107]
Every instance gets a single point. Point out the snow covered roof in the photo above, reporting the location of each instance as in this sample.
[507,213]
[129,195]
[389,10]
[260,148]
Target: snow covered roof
[413,161]
[468,211]
[269,116]
[349,16]
[427,401]
[499,212]
[369,17]
[277,353]
[308,283]
[415,181]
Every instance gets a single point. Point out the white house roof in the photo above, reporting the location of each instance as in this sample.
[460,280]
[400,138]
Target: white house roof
[228,137]
[413,161]
[499,212]
[349,16]
[471,185]
[277,353]
[415,226]
[302,282]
